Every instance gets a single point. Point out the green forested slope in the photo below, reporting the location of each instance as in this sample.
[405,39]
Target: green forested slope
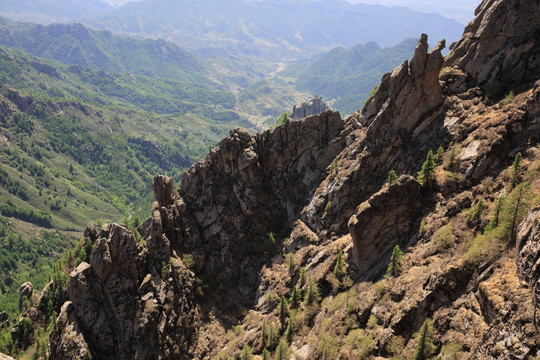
[101,50]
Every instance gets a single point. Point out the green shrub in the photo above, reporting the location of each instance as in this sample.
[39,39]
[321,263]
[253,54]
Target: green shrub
[508,99]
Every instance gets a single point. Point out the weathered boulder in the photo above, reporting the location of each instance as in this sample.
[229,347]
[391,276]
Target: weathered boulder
[5,357]
[26,291]
[314,106]
[383,221]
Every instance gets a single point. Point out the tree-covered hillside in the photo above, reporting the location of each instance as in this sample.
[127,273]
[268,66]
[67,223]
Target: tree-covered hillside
[101,50]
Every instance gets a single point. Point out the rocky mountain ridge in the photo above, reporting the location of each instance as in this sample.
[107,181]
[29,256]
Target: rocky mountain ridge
[279,242]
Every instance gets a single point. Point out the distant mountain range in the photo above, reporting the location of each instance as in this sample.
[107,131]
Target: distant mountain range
[271,30]
[76,44]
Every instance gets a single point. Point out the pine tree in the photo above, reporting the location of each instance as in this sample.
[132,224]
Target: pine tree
[289,331]
[313,294]
[517,170]
[392,177]
[339,268]
[424,347]
[496,214]
[291,263]
[427,173]
[266,355]
[246,353]
[282,351]
[302,276]
[476,212]
[283,309]
[439,155]
[295,297]
[451,160]
[394,267]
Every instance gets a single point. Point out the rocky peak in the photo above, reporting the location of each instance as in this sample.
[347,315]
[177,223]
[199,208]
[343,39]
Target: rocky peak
[405,94]
[314,106]
[500,48]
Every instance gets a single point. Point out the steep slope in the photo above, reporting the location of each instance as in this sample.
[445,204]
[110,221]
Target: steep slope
[303,213]
[273,29]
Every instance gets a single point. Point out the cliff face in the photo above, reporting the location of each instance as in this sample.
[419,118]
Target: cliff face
[306,205]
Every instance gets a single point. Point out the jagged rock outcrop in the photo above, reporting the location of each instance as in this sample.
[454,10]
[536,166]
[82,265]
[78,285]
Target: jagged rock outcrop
[314,106]
[500,47]
[26,291]
[528,253]
[383,221]
[5,357]
[398,121]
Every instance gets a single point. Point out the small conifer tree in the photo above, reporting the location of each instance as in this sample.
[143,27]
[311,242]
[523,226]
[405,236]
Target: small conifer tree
[392,177]
[302,276]
[247,352]
[394,267]
[295,297]
[439,155]
[282,351]
[494,221]
[291,263]
[450,163]
[283,309]
[424,346]
[313,294]
[266,355]
[517,170]
[339,268]
[476,212]
[289,331]
[427,174]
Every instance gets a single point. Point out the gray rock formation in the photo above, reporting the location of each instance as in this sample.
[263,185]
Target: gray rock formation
[26,291]
[511,56]
[383,221]
[528,252]
[314,106]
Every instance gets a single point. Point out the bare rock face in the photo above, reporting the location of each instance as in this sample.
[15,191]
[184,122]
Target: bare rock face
[528,256]
[384,220]
[250,186]
[385,135]
[501,46]
[26,291]
[314,106]
[70,343]
[405,94]
[104,293]
[5,357]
